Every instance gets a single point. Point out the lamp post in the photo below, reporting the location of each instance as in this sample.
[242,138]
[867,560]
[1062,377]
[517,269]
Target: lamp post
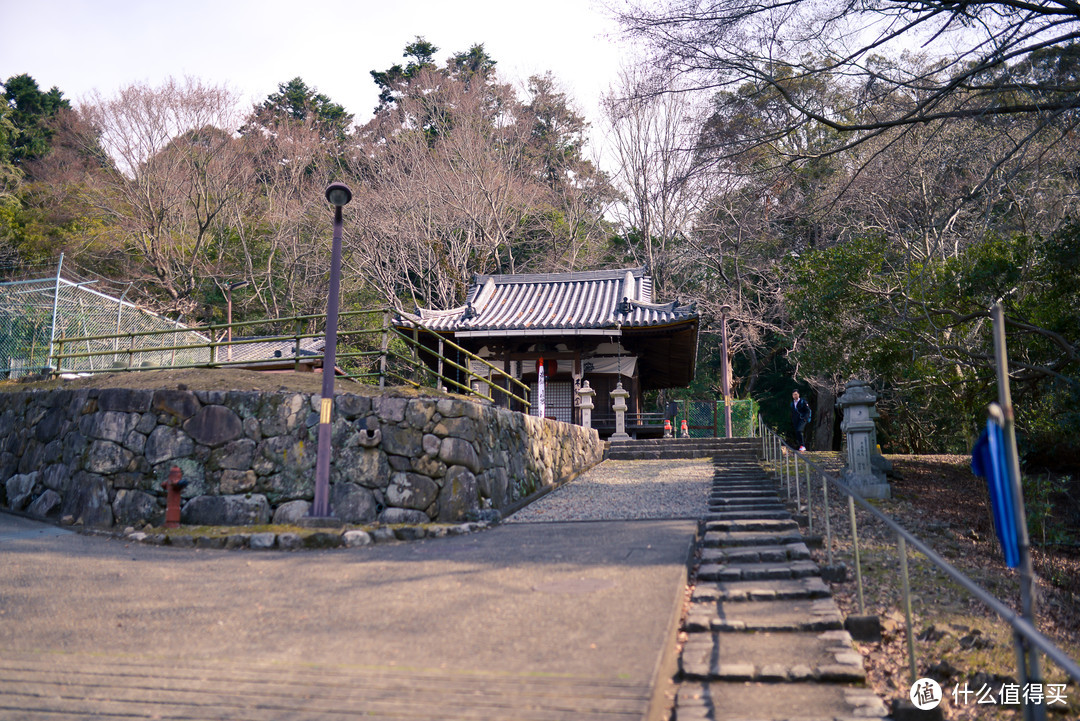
[338,194]
[228,308]
[725,369]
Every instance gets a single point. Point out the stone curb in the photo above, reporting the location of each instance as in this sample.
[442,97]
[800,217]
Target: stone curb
[317,539]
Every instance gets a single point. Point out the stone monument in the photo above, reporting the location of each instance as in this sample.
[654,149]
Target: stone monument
[863,475]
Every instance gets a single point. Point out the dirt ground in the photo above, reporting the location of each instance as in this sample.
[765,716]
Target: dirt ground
[958,640]
[212,379]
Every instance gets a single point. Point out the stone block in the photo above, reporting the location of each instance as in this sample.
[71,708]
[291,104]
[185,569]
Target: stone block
[237,510]
[355,539]
[383,535]
[418,412]
[56,477]
[403,515]
[904,710]
[411,490]
[409,533]
[47,505]
[214,426]
[125,400]
[390,409]
[133,507]
[459,495]
[165,443]
[87,501]
[289,513]
[398,441]
[352,406]
[236,455]
[368,467]
[837,573]
[50,426]
[262,541]
[352,503]
[237,481]
[19,489]
[458,452]
[290,541]
[864,628]
[322,539]
[105,457]
[178,404]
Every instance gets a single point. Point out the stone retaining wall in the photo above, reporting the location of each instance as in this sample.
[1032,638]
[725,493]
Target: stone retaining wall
[99,457]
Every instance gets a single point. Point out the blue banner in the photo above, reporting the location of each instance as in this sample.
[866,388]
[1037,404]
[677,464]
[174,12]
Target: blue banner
[988,461]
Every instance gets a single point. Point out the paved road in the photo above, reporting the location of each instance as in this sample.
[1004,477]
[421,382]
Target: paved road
[524,621]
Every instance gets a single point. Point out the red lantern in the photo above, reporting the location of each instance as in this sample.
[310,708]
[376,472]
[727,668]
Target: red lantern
[550,367]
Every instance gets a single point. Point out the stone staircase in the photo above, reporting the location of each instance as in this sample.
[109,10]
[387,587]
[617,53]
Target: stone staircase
[666,448]
[765,638]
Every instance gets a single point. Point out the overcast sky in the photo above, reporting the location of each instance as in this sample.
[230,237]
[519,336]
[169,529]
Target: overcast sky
[253,45]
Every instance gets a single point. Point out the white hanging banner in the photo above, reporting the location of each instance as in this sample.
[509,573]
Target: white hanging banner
[610,365]
[541,407]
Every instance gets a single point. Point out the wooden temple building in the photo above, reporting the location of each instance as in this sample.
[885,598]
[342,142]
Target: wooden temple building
[597,326]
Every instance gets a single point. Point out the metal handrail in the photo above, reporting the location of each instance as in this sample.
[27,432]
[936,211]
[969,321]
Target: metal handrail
[1020,625]
[213,348]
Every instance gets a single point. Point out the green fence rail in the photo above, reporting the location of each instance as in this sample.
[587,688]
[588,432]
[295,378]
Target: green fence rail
[370,349]
[707,418]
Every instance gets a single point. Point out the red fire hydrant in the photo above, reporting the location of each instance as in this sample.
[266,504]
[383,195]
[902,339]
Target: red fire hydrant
[173,486]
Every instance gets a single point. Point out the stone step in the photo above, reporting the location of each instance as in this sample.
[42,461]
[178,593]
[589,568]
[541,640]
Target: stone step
[765,590]
[791,615]
[720,513]
[729,539]
[730,700]
[746,504]
[663,454]
[756,554]
[760,493]
[757,571]
[739,501]
[772,657]
[757,482]
[764,524]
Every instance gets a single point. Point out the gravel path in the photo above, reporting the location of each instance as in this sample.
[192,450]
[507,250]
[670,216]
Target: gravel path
[627,490]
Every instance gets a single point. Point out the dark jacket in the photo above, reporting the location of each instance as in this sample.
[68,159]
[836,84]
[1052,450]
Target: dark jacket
[800,413]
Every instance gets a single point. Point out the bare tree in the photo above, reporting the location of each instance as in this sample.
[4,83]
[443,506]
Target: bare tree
[654,139]
[1001,58]
[178,168]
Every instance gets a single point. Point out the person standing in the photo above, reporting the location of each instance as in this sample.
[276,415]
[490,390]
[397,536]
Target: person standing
[800,416]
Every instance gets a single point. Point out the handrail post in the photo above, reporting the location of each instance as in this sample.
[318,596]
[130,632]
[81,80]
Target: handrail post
[855,545]
[798,486]
[907,608]
[809,499]
[385,346]
[297,327]
[828,527]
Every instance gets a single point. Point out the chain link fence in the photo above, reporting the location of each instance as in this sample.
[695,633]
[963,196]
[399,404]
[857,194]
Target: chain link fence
[36,314]
[706,419]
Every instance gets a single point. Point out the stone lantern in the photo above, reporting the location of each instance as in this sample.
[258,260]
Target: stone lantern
[863,475]
[620,395]
[586,394]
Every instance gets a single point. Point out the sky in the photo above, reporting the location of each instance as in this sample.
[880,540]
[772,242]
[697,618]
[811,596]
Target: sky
[253,45]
